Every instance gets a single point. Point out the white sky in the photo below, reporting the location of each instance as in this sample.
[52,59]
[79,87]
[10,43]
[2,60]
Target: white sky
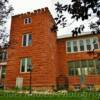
[22,6]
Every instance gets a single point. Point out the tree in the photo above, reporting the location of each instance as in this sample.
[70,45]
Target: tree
[79,9]
[5,11]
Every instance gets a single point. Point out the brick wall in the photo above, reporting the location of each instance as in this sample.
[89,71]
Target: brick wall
[64,57]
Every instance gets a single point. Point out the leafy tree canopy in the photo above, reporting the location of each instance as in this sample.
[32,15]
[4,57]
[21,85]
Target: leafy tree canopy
[5,11]
[79,9]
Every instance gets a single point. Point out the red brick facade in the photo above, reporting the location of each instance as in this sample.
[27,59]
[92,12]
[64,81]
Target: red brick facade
[65,57]
[49,57]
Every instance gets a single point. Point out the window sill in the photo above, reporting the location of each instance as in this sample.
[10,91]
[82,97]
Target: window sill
[81,51]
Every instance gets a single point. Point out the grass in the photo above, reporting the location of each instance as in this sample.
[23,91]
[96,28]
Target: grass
[54,96]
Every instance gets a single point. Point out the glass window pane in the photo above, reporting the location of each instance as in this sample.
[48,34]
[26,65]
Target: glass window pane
[83,63]
[88,44]
[91,67]
[90,63]
[29,64]
[95,43]
[97,66]
[24,40]
[69,46]
[75,47]
[71,68]
[84,67]
[77,68]
[81,42]
[23,64]
[30,39]
[3,71]
[30,20]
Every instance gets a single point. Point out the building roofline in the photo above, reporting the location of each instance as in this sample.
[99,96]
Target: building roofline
[70,35]
[34,12]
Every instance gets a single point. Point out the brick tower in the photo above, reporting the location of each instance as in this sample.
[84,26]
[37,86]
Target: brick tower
[32,43]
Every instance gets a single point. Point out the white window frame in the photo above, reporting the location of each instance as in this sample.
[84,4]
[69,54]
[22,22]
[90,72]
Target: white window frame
[26,61]
[27,39]
[85,45]
[28,20]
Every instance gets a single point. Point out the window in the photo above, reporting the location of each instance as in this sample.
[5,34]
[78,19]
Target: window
[27,40]
[25,63]
[95,43]
[84,67]
[71,68]
[88,44]
[3,55]
[3,74]
[81,42]
[27,20]
[77,68]
[75,48]
[91,67]
[69,46]
[97,66]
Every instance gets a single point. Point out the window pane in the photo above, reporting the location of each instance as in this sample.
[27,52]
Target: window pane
[91,67]
[84,67]
[30,20]
[95,43]
[30,39]
[5,56]
[75,48]
[88,44]
[23,65]
[81,42]
[71,68]
[69,46]
[25,20]
[3,71]
[77,68]
[97,66]
[90,63]
[24,40]
[29,64]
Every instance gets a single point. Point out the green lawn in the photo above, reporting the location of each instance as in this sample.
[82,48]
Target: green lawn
[55,96]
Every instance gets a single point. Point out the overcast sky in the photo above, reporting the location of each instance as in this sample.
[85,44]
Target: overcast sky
[22,6]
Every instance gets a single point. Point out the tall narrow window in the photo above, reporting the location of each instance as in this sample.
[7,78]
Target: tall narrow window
[3,74]
[75,48]
[71,68]
[91,67]
[24,40]
[97,62]
[30,39]
[69,46]
[88,44]
[25,63]
[84,67]
[95,43]
[77,68]
[81,42]
[27,40]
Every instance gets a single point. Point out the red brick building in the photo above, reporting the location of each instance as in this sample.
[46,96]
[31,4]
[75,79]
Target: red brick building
[57,63]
